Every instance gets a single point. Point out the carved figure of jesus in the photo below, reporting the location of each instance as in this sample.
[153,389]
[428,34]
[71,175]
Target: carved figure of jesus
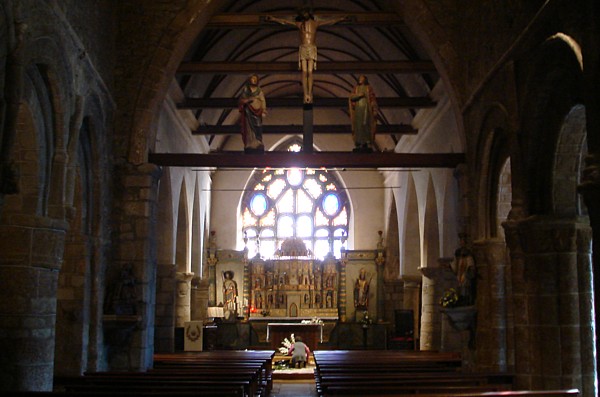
[307,25]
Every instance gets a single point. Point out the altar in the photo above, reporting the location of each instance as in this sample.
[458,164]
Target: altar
[311,333]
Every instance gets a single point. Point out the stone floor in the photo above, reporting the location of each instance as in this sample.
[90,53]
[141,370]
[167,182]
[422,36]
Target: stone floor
[294,388]
[294,382]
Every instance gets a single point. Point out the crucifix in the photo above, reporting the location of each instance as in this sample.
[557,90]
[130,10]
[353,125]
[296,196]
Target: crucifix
[307,25]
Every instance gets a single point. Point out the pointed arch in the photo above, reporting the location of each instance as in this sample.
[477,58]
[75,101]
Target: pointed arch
[392,247]
[568,165]
[431,236]
[554,88]
[182,251]
[196,244]
[450,214]
[411,252]
[165,233]
[74,299]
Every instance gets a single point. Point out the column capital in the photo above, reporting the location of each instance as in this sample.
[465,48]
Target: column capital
[185,276]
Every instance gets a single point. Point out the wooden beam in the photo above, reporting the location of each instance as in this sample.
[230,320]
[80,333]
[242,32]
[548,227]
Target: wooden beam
[298,129]
[355,19]
[398,67]
[226,103]
[310,160]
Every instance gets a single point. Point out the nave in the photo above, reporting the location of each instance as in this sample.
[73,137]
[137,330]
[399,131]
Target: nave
[258,373]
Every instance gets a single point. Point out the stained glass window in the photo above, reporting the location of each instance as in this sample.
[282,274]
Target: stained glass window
[306,203]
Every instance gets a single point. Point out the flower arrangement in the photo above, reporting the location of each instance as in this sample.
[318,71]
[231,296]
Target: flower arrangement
[452,298]
[314,320]
[287,345]
[366,320]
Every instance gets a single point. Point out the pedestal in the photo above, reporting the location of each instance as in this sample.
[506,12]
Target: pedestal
[192,336]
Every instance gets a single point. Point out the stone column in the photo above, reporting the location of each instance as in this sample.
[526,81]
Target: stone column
[30,260]
[491,337]
[433,287]
[135,244]
[212,281]
[199,299]
[590,190]
[551,289]
[164,336]
[183,298]
[412,301]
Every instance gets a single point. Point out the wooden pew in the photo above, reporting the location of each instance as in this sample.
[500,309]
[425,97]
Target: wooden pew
[512,393]
[399,372]
[231,373]
[222,358]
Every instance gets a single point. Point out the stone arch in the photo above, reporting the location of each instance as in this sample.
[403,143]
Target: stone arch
[392,248]
[426,28]
[555,86]
[37,97]
[175,40]
[494,148]
[449,221]
[82,276]
[503,197]
[182,248]
[23,154]
[431,236]
[165,233]
[55,70]
[74,282]
[196,244]
[411,252]
[571,149]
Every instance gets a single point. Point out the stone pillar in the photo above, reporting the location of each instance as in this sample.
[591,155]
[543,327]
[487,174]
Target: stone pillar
[590,190]
[586,302]
[199,299]
[164,330]
[135,244]
[491,336]
[412,301]
[212,281]
[433,287]
[184,286]
[30,260]
[550,284]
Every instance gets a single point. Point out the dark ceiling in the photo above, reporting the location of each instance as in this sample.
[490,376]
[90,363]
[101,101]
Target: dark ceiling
[373,41]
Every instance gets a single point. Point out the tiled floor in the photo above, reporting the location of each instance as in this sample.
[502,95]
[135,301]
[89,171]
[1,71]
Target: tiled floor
[297,388]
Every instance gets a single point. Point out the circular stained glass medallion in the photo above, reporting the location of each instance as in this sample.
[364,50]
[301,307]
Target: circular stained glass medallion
[258,204]
[331,204]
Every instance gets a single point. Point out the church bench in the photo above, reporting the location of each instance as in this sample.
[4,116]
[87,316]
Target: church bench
[420,390]
[219,358]
[216,392]
[409,384]
[216,356]
[132,388]
[374,358]
[244,384]
[512,393]
[226,366]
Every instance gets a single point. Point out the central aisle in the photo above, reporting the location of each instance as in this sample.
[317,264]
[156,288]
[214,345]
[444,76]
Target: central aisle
[294,388]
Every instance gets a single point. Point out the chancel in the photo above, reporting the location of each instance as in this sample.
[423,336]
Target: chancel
[408,189]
